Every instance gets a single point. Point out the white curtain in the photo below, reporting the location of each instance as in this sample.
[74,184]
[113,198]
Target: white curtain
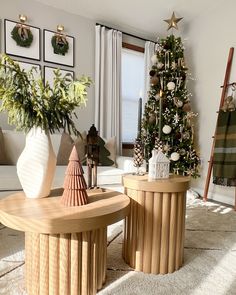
[108,83]
[149,51]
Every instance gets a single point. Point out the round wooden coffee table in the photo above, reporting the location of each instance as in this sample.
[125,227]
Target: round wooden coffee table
[154,230]
[65,247]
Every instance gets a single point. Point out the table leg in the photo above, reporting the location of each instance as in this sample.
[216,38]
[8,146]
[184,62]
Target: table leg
[66,264]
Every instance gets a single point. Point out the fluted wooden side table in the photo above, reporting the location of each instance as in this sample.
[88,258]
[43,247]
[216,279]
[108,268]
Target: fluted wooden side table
[154,230]
[65,247]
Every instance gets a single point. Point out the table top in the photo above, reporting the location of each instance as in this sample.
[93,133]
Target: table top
[49,216]
[175,183]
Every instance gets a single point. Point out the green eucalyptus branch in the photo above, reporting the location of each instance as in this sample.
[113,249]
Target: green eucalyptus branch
[29,102]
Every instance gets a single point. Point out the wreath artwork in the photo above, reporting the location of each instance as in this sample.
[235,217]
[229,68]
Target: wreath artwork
[22,35]
[60,44]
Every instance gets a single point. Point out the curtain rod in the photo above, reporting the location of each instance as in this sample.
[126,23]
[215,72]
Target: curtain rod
[128,34]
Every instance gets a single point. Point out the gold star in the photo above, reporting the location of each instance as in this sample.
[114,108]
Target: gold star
[172,22]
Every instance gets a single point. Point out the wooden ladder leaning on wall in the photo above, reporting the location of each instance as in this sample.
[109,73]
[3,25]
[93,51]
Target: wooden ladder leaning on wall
[224,91]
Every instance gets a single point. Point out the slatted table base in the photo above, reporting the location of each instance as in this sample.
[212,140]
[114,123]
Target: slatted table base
[154,231]
[65,264]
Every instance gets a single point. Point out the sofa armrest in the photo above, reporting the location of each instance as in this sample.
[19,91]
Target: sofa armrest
[127,164]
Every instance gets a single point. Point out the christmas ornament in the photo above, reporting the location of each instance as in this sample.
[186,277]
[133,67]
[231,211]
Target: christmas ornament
[152,118]
[178,135]
[166,147]
[138,154]
[166,129]
[172,22]
[170,86]
[187,107]
[158,144]
[176,119]
[154,80]
[173,65]
[182,152]
[175,156]
[179,103]
[154,59]
[186,135]
[160,65]
[157,96]
[152,73]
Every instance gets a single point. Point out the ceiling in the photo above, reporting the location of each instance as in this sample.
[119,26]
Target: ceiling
[139,17]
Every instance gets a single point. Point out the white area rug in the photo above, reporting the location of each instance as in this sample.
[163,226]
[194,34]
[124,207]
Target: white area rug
[209,266]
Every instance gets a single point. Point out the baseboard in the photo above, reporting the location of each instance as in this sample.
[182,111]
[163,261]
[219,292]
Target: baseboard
[215,196]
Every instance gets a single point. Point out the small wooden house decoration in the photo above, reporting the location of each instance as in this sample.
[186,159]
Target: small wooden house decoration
[159,165]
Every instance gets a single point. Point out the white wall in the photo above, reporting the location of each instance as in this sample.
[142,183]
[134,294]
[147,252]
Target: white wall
[81,28]
[209,38]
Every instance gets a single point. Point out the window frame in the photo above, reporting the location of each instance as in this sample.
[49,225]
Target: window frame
[130,145]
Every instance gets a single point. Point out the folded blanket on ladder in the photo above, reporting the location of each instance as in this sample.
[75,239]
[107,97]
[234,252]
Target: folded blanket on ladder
[224,157]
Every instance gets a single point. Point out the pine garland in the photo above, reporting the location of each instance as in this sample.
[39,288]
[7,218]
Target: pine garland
[22,35]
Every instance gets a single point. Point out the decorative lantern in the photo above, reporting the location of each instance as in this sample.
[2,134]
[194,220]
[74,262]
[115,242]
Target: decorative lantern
[159,165]
[92,152]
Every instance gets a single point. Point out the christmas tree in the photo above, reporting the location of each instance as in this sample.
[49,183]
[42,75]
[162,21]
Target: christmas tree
[74,184]
[167,117]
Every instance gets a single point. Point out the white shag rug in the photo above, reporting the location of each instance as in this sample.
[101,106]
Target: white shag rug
[209,258]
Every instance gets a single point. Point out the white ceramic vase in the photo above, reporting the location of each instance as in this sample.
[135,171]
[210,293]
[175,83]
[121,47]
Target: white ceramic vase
[36,164]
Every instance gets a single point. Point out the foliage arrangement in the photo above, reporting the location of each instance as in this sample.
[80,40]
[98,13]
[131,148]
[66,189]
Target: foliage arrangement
[31,103]
[22,35]
[60,44]
[168,119]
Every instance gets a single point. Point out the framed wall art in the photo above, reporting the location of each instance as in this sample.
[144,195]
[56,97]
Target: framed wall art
[49,74]
[27,66]
[22,40]
[53,56]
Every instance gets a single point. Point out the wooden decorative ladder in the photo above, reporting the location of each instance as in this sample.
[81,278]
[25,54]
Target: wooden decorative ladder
[224,91]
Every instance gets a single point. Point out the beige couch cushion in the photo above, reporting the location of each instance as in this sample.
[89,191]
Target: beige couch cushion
[66,146]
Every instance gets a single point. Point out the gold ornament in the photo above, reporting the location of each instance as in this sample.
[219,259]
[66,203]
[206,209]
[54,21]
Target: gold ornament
[172,22]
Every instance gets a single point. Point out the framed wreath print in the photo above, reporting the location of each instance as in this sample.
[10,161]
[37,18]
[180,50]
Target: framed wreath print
[49,74]
[58,48]
[22,40]
[27,66]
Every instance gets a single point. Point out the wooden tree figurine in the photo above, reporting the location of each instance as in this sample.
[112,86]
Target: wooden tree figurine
[74,183]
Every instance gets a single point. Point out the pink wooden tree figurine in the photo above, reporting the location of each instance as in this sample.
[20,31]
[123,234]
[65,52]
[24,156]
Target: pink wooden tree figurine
[75,193]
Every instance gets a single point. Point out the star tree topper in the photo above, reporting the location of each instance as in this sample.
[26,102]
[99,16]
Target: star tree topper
[172,22]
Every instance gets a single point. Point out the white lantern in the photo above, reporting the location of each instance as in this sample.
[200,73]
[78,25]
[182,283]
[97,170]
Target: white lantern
[159,165]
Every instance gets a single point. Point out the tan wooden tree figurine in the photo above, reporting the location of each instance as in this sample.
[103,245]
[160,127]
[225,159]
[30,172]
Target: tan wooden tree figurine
[74,183]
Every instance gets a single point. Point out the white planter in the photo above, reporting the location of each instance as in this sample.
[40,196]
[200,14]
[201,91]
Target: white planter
[36,165]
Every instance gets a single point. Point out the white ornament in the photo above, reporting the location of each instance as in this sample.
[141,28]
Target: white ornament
[160,65]
[154,59]
[166,129]
[174,156]
[171,86]
[179,103]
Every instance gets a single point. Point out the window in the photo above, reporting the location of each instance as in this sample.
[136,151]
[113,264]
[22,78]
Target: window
[132,88]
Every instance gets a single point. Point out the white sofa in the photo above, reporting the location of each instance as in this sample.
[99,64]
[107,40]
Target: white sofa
[14,143]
